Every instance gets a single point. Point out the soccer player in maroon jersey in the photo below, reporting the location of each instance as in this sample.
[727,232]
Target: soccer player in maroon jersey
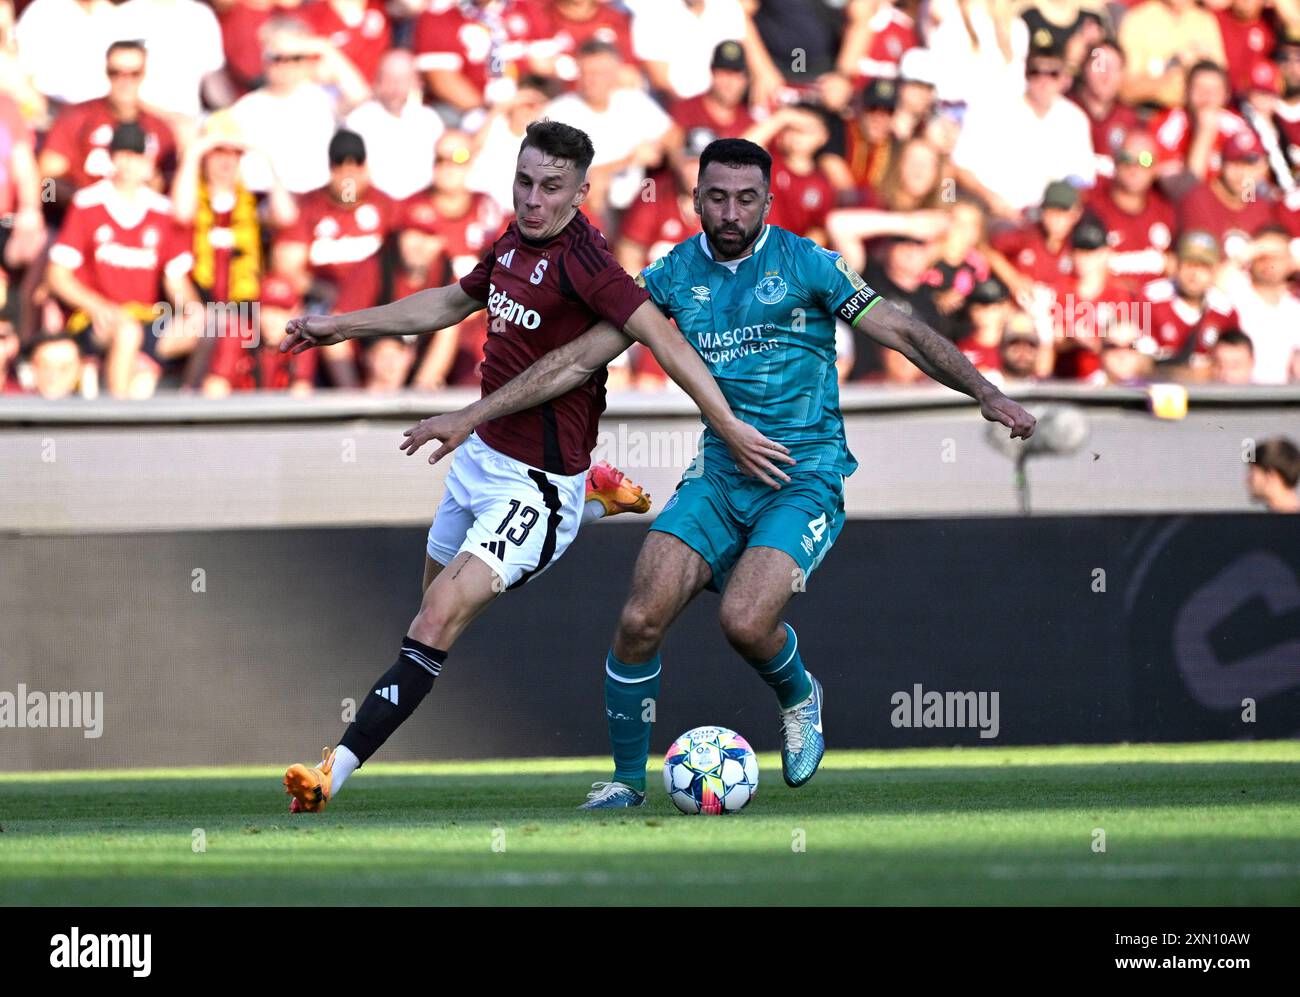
[515,494]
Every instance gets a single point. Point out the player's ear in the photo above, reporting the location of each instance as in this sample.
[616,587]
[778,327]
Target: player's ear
[583,190]
[767,205]
[695,197]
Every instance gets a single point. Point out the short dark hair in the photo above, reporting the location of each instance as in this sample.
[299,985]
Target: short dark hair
[1281,455]
[737,152]
[598,46]
[1235,337]
[1207,66]
[560,141]
[125,45]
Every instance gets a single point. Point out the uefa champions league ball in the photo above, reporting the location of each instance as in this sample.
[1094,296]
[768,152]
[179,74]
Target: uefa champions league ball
[710,770]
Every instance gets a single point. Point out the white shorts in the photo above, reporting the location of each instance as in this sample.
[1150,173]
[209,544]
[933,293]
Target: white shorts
[514,517]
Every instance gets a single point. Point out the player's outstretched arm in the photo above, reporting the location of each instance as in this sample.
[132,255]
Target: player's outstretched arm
[941,360]
[754,453]
[550,376]
[424,311]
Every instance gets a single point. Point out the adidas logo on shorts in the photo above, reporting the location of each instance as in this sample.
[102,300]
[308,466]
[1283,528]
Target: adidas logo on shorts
[389,693]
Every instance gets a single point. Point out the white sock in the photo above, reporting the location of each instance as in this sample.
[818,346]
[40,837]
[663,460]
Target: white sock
[592,511]
[345,763]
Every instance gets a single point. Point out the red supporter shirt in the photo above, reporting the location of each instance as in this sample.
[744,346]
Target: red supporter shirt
[565,35]
[1082,323]
[343,242]
[81,133]
[240,24]
[1108,132]
[364,43]
[1178,328]
[801,203]
[1137,242]
[981,357]
[892,33]
[1173,131]
[482,43]
[122,250]
[692,116]
[1026,249]
[660,224]
[538,298]
[1244,43]
[263,368]
[464,238]
[1201,208]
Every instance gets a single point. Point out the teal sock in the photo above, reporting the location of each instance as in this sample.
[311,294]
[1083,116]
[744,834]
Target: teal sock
[630,692]
[785,673]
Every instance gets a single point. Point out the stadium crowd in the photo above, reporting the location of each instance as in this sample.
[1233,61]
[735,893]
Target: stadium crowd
[1106,194]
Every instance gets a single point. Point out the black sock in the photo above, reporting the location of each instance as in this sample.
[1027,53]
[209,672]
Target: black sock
[393,698]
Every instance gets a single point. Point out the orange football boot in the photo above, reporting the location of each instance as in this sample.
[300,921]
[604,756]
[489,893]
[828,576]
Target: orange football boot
[611,488]
[310,787]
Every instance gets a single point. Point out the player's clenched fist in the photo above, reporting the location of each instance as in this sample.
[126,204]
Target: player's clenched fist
[306,331]
[999,408]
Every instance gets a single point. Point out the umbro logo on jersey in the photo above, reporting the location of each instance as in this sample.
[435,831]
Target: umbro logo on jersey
[389,693]
[507,259]
[701,293]
[497,548]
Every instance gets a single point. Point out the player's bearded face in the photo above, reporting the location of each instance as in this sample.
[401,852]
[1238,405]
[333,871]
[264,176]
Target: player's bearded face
[547,193]
[732,202]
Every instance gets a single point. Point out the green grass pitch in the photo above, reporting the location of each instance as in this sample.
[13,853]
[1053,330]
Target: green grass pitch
[1183,824]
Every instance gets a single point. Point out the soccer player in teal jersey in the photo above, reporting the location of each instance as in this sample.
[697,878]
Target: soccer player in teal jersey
[759,304]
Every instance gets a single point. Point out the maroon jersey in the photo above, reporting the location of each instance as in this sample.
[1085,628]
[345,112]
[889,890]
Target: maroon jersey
[1173,131]
[1202,208]
[1137,242]
[1179,328]
[1081,324]
[343,242]
[483,42]
[700,127]
[802,202]
[892,33]
[363,42]
[1244,43]
[566,35]
[465,237]
[240,25]
[81,133]
[1026,249]
[538,298]
[1108,132]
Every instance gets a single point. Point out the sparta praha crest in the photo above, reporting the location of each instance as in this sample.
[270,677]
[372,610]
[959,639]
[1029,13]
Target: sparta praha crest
[710,770]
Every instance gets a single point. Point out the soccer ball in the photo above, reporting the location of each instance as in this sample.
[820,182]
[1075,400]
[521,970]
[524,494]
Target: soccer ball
[710,770]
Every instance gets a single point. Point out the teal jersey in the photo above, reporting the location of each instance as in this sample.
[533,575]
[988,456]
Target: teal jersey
[767,334]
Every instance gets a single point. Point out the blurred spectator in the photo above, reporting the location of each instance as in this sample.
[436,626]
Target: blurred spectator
[14,80]
[56,366]
[869,138]
[1187,312]
[978,49]
[333,248]
[1272,477]
[357,29]
[1022,354]
[719,112]
[290,118]
[1160,39]
[22,225]
[1191,137]
[1259,108]
[443,232]
[1092,303]
[570,24]
[1122,363]
[1068,25]
[76,153]
[241,23]
[988,308]
[472,52]
[399,131]
[1233,203]
[1096,91]
[1286,56]
[1247,39]
[674,40]
[1139,220]
[183,40]
[119,251]
[960,264]
[61,45]
[899,277]
[1034,260]
[876,34]
[626,127]
[803,196]
[1269,312]
[1052,137]
[656,223]
[1232,358]
[916,93]
[388,362]
[254,362]
[9,350]
[497,141]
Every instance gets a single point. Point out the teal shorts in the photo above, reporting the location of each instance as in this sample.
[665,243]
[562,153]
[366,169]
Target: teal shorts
[719,514]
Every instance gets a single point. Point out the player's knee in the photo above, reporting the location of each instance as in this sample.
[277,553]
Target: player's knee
[747,631]
[638,628]
[436,620]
